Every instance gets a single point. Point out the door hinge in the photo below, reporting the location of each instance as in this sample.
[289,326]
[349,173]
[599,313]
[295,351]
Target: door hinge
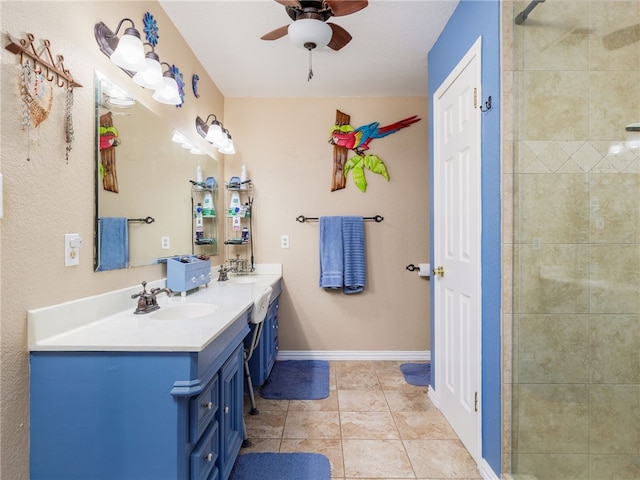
[475,97]
[476,402]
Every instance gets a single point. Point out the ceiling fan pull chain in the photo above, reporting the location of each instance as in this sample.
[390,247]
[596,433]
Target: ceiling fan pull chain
[310,67]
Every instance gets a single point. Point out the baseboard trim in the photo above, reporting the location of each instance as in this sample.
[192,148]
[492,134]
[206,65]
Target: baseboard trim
[354,355]
[486,471]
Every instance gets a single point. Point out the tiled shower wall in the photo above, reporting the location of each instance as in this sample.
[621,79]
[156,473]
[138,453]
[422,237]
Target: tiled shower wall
[575,239]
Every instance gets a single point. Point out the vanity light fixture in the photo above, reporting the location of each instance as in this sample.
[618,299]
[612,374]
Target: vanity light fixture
[169,93]
[126,52]
[211,133]
[228,149]
[215,134]
[151,75]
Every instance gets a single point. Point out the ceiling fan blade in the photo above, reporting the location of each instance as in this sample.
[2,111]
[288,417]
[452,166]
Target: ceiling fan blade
[345,7]
[339,38]
[276,34]
[289,3]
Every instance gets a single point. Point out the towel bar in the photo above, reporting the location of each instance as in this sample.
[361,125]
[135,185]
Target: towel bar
[141,220]
[302,218]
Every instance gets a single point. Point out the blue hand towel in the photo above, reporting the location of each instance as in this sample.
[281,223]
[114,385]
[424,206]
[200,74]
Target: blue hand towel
[331,255]
[114,243]
[354,259]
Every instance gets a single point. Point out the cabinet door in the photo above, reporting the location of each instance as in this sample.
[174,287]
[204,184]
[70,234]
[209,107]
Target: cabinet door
[230,413]
[271,349]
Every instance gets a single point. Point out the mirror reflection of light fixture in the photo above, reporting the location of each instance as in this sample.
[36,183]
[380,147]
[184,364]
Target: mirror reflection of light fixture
[126,52]
[178,137]
[151,75]
[169,93]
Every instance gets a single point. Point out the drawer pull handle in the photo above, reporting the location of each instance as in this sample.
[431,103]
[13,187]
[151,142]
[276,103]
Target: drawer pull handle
[208,405]
[226,409]
[209,457]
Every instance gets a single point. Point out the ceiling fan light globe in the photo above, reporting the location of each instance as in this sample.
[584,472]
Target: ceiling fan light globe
[309,31]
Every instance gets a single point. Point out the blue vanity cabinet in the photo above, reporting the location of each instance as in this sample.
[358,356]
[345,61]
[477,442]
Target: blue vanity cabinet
[231,379]
[115,415]
[264,356]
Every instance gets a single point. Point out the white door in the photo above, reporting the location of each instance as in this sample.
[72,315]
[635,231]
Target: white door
[457,215]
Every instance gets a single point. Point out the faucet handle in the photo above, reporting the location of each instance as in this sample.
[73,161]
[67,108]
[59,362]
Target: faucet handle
[143,292]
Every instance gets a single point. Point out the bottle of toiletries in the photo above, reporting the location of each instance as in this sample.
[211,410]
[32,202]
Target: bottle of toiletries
[245,235]
[235,205]
[207,205]
[199,223]
[243,178]
[199,177]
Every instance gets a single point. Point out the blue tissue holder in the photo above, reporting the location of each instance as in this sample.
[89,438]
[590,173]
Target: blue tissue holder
[187,273]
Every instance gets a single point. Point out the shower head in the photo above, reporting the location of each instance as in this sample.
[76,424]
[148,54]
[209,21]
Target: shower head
[522,16]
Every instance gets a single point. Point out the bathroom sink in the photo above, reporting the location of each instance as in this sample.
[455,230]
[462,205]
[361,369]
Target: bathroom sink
[244,280]
[188,311]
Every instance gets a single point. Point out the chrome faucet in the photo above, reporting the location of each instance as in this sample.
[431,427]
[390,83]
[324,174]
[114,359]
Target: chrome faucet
[222,273]
[147,300]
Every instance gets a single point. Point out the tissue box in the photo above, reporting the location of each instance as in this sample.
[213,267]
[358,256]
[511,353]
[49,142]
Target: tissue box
[187,273]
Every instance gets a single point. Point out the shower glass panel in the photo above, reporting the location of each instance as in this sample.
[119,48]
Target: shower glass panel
[576,267]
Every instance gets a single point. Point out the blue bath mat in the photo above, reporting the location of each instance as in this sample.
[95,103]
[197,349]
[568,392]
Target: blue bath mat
[418,374]
[281,466]
[297,380]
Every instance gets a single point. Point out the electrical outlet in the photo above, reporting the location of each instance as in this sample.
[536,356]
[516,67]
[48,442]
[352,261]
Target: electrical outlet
[165,243]
[72,244]
[284,241]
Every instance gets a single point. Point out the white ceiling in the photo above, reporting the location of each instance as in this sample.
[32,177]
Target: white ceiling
[387,56]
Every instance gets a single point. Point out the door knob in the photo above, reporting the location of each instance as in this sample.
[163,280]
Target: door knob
[438,271]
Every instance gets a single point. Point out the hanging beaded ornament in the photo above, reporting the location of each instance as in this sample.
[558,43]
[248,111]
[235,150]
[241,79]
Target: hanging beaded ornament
[68,122]
[36,94]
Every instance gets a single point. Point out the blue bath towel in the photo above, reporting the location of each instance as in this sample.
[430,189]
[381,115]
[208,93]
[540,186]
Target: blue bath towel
[353,248]
[342,260]
[114,243]
[331,253]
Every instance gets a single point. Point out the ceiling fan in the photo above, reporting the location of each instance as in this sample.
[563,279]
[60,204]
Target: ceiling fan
[310,29]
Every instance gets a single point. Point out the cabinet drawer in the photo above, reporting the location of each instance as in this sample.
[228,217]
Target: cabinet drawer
[204,457]
[202,409]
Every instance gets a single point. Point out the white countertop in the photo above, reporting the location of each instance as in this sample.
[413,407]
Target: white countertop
[106,322]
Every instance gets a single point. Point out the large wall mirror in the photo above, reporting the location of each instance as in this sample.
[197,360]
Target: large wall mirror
[144,211]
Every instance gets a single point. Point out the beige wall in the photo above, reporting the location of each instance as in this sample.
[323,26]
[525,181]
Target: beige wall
[284,145]
[44,198]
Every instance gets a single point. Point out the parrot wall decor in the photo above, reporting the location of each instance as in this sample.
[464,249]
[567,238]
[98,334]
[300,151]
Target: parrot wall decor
[344,138]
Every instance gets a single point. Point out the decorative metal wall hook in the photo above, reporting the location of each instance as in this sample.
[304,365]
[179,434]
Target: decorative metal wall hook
[487,104]
[52,69]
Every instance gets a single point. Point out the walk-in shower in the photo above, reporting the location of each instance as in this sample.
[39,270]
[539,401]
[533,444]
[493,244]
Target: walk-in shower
[575,392]
[522,16]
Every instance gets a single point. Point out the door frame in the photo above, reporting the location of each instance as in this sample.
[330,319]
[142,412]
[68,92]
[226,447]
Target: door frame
[474,53]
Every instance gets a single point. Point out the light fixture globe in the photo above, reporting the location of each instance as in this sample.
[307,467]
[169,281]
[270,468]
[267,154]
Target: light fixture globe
[151,75]
[129,54]
[169,94]
[310,33]
[215,134]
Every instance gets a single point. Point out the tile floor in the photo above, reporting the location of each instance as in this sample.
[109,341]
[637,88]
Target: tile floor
[373,425]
